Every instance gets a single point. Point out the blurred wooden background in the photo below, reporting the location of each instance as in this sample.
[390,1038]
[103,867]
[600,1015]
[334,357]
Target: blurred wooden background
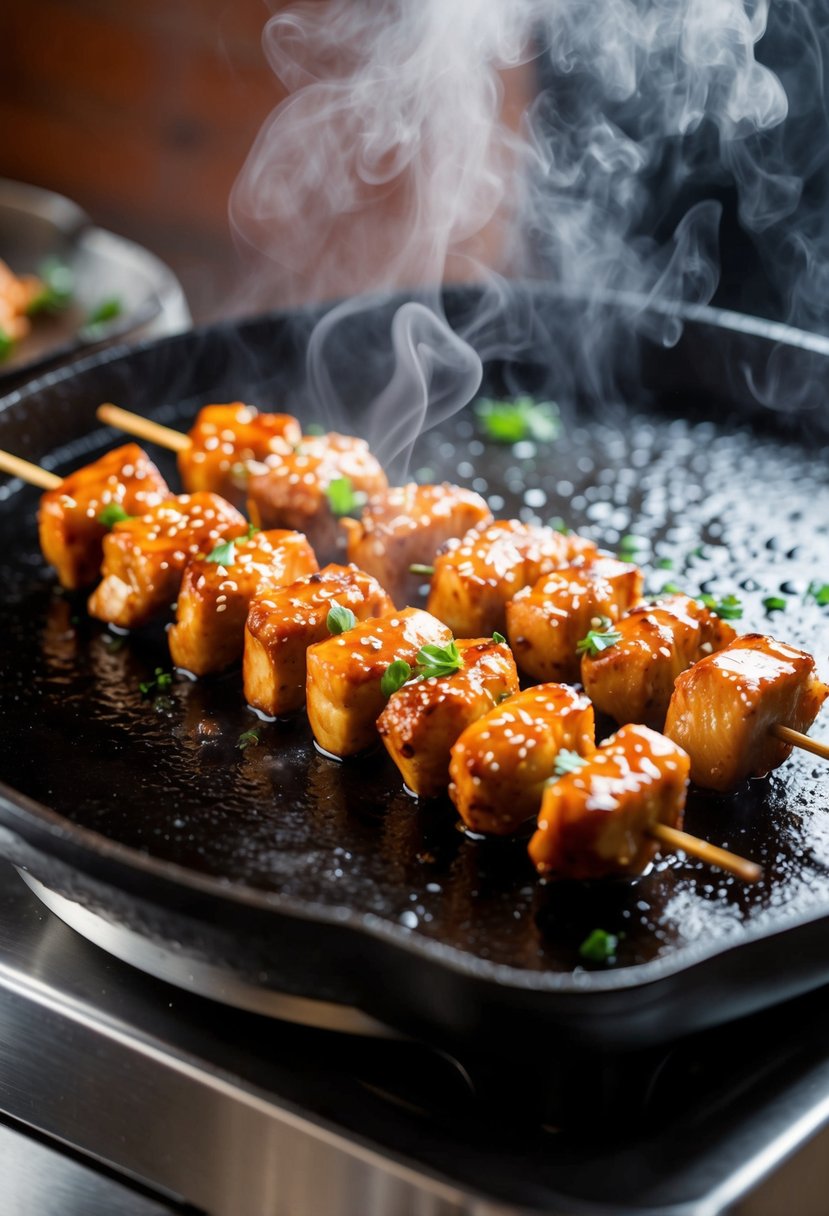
[144,114]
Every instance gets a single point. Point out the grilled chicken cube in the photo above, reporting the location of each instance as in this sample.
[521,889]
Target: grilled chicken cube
[546,622]
[344,696]
[595,822]
[282,623]
[215,595]
[633,679]
[225,437]
[405,526]
[295,491]
[500,763]
[425,717]
[723,708]
[144,558]
[71,532]
[475,577]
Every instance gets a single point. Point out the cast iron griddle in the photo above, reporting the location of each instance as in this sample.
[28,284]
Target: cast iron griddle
[735,508]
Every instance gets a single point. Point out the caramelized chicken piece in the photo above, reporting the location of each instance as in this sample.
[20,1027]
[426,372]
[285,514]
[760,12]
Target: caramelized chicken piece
[500,763]
[632,681]
[214,598]
[405,526]
[476,577]
[17,295]
[344,696]
[144,558]
[71,533]
[723,707]
[594,822]
[546,622]
[282,623]
[425,717]
[293,491]
[225,437]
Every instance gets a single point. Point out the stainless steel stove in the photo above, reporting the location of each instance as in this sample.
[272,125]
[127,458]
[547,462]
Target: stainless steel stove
[125,1094]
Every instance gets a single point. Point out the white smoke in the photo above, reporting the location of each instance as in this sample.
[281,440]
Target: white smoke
[392,164]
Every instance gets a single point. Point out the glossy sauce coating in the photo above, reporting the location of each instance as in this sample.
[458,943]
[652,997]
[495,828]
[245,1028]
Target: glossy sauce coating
[633,680]
[71,534]
[214,598]
[424,718]
[500,763]
[145,557]
[290,491]
[594,822]
[476,577]
[546,622]
[283,622]
[344,697]
[406,525]
[722,709]
[224,437]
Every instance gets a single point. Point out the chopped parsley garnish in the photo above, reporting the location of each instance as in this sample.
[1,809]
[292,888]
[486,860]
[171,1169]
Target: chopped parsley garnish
[6,345]
[314,428]
[665,563]
[600,947]
[395,676]
[224,554]
[631,547]
[161,682]
[58,286]
[113,513]
[435,660]
[104,312]
[597,640]
[521,418]
[343,499]
[419,568]
[431,661]
[558,525]
[339,619]
[248,738]
[671,588]
[729,608]
[498,637]
[819,592]
[774,603]
[568,762]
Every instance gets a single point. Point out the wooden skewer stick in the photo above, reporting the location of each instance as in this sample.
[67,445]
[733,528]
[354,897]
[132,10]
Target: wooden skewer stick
[28,472]
[798,739]
[142,428]
[676,840]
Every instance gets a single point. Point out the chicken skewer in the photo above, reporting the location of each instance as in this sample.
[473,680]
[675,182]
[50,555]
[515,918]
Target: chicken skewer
[300,482]
[77,511]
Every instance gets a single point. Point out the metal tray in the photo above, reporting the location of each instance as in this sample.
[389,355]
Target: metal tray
[321,880]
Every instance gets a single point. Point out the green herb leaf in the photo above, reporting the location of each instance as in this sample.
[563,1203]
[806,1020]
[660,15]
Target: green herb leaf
[418,568]
[671,589]
[435,660]
[774,603]
[113,513]
[521,418]
[161,682]
[395,676]
[819,592]
[558,525]
[248,738]
[6,345]
[104,312]
[631,548]
[343,499]
[58,286]
[568,762]
[339,619]
[600,947]
[597,640]
[498,637]
[314,428]
[224,554]
[729,608]
[665,563]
